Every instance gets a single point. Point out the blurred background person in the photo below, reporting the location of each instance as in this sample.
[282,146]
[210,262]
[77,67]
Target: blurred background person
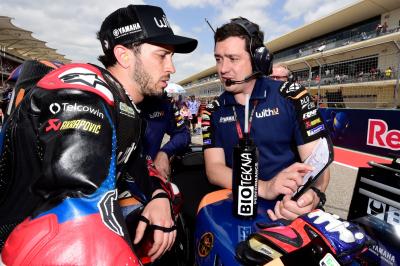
[280,72]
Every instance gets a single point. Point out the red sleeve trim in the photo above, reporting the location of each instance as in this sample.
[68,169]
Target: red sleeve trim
[78,76]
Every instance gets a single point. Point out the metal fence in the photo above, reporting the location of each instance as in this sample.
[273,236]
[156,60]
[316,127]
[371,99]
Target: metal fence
[366,82]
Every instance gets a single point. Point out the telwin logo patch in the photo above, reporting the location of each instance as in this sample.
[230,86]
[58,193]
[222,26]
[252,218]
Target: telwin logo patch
[379,136]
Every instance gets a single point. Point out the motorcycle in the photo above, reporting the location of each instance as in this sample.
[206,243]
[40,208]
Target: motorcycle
[375,208]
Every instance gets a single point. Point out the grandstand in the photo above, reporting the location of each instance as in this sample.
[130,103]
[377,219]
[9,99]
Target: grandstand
[350,58]
[17,45]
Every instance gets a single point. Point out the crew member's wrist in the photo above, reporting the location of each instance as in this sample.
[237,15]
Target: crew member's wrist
[322,197]
[264,190]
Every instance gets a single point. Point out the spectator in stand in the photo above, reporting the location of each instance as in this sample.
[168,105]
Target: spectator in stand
[360,76]
[384,27]
[373,73]
[317,79]
[364,36]
[338,79]
[193,105]
[388,73]
[378,29]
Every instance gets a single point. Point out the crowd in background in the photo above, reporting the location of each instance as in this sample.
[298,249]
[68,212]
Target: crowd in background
[190,109]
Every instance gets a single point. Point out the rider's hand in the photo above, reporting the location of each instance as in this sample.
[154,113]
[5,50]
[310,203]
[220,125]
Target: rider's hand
[290,210]
[158,212]
[161,162]
[285,182]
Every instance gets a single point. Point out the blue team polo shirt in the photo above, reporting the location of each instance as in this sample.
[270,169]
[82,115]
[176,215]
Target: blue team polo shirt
[275,129]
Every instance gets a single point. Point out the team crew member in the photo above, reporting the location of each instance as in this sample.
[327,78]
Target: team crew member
[163,117]
[278,123]
[69,139]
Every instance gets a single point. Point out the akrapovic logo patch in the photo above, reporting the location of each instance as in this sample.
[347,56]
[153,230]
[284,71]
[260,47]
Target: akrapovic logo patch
[79,124]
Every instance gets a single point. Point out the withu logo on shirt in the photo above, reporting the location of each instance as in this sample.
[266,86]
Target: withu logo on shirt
[267,112]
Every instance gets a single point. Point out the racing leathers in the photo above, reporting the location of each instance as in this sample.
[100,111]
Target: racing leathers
[62,150]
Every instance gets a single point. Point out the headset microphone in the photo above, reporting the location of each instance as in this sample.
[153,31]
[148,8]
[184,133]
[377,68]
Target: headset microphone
[230,82]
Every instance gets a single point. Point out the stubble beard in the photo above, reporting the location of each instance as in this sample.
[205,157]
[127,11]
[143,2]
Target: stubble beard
[146,84]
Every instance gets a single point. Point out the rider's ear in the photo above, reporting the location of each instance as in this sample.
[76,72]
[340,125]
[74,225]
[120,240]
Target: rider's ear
[122,55]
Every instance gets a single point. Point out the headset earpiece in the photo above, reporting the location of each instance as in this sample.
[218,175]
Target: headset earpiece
[260,56]
[262,60]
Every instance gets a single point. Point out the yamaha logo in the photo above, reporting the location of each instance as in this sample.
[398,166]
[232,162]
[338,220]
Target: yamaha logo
[128,29]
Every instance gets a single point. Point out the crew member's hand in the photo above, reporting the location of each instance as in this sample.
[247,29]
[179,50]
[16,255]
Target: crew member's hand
[157,212]
[161,162]
[290,210]
[285,182]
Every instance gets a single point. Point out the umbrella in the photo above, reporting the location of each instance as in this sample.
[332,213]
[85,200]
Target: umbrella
[174,88]
[17,71]
[15,74]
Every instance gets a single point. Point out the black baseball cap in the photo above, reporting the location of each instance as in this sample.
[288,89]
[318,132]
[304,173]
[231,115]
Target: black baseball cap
[141,23]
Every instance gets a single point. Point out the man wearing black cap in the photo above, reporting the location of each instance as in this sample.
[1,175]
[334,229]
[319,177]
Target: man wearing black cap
[79,129]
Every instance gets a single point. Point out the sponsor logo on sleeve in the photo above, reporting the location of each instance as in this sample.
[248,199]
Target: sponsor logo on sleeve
[180,123]
[307,103]
[79,124]
[53,125]
[315,130]
[206,135]
[309,114]
[293,87]
[312,123]
[207,142]
[55,108]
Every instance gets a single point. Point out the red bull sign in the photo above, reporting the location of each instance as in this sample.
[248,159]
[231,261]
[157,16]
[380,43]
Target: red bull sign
[379,135]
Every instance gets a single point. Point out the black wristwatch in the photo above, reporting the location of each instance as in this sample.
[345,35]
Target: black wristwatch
[322,197]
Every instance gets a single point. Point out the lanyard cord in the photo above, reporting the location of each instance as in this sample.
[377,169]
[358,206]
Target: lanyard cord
[238,127]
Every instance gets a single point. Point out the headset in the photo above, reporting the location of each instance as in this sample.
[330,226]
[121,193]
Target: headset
[261,58]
